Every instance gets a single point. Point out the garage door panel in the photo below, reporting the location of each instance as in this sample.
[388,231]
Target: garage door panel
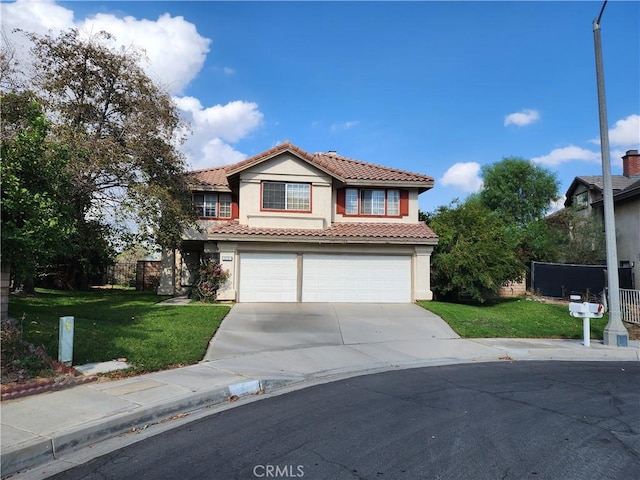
[268,277]
[356,278]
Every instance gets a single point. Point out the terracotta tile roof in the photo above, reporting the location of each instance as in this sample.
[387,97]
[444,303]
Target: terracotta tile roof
[390,232]
[212,177]
[345,169]
[351,169]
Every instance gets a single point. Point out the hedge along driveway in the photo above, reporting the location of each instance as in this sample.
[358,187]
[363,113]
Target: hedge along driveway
[111,324]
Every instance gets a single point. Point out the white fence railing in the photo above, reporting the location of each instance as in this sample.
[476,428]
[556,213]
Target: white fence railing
[630,305]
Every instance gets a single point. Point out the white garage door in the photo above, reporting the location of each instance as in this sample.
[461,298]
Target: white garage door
[268,277]
[359,278]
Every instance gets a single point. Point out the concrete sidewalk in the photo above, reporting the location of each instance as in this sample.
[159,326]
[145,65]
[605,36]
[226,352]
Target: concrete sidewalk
[49,426]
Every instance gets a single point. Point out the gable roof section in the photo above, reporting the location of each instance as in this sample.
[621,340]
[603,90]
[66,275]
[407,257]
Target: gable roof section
[269,154]
[346,170]
[356,171]
[397,233]
[620,184]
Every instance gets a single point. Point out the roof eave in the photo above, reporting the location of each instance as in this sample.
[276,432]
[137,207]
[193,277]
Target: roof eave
[322,240]
[205,187]
[623,195]
[423,185]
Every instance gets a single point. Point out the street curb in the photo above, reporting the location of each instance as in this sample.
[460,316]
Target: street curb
[45,449]
[37,452]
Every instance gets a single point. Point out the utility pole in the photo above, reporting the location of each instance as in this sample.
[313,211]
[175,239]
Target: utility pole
[614,332]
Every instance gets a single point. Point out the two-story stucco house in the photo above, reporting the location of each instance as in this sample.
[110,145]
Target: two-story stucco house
[291,226]
[585,193]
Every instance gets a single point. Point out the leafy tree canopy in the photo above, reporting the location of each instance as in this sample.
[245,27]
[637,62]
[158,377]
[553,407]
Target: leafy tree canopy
[518,190]
[36,220]
[122,129]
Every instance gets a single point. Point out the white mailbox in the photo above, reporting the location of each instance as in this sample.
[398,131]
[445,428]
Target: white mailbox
[586,310]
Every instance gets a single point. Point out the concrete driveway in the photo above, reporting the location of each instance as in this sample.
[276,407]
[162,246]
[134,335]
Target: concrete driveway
[262,327]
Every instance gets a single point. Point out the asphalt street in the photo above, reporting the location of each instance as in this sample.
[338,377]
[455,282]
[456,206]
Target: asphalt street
[509,420]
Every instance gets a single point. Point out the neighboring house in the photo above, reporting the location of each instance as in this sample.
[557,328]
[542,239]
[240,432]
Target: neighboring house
[291,226]
[586,193]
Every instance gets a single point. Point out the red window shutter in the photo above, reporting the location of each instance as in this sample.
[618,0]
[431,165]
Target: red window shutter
[235,210]
[404,203]
[340,201]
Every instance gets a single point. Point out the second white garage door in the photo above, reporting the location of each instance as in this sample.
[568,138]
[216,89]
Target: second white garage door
[356,278]
[268,277]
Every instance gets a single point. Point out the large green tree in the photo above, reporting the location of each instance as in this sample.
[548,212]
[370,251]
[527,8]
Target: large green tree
[121,132]
[518,190]
[37,223]
[520,193]
[474,256]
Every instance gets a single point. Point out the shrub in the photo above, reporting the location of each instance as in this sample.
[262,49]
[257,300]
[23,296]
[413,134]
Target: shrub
[474,256]
[209,278]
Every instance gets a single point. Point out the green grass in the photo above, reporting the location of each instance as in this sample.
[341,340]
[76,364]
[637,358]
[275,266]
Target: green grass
[111,324]
[513,318]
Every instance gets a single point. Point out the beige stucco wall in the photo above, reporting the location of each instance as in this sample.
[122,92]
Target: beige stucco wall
[285,168]
[628,235]
[422,273]
[168,275]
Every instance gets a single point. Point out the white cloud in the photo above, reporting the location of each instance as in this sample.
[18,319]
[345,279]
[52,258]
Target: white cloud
[228,70]
[625,132]
[36,17]
[215,152]
[175,50]
[230,122]
[522,118]
[213,126]
[464,176]
[567,154]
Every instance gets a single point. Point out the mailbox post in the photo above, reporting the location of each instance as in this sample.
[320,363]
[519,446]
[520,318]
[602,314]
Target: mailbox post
[586,311]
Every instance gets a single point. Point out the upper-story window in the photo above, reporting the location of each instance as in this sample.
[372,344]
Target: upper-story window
[213,205]
[374,202]
[286,196]
[582,200]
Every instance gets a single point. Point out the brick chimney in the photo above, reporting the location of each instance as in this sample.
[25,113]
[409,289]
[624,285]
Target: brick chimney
[631,164]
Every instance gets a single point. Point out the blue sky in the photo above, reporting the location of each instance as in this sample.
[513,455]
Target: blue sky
[440,88]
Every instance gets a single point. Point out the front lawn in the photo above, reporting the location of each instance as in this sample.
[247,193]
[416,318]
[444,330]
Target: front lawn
[112,324]
[514,318]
